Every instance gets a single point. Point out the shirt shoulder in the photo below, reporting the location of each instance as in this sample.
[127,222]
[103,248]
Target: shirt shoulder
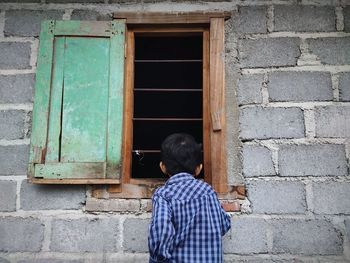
[185,190]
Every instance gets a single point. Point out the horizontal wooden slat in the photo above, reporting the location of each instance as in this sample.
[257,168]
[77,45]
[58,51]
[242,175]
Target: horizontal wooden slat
[83,28]
[74,181]
[71,170]
[169,18]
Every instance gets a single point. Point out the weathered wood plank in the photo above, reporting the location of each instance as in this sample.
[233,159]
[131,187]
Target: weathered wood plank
[206,111]
[53,143]
[128,108]
[116,98]
[75,181]
[83,28]
[42,94]
[70,170]
[85,100]
[217,105]
[169,18]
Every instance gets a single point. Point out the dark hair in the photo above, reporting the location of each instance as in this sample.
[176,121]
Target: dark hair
[181,153]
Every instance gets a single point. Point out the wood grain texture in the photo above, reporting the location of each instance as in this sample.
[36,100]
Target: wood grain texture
[217,105]
[42,95]
[128,108]
[86,83]
[71,170]
[82,28]
[206,110]
[169,17]
[115,99]
[75,181]
[53,142]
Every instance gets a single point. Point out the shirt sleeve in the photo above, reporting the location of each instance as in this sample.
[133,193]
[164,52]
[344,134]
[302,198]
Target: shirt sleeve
[225,221]
[161,231]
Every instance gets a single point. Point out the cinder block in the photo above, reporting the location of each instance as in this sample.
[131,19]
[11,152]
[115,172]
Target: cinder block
[346,14]
[251,19]
[21,1]
[331,197]
[309,18]
[21,234]
[17,88]
[85,235]
[269,52]
[332,121]
[266,123]
[46,197]
[331,50]
[314,160]
[344,87]
[249,89]
[75,1]
[7,196]
[115,205]
[12,124]
[132,1]
[257,161]
[306,237]
[300,86]
[89,15]
[247,235]
[51,260]
[27,23]
[277,197]
[347,228]
[136,234]
[15,55]
[14,159]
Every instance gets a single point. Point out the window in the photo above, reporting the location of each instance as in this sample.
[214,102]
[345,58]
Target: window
[100,119]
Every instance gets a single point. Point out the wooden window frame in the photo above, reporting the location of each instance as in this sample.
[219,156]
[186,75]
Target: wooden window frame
[214,142]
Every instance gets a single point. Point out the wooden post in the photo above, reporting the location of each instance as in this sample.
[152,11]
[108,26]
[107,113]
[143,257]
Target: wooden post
[217,105]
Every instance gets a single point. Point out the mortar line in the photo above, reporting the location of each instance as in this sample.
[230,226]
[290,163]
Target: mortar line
[300,141]
[302,35]
[274,148]
[339,18]
[310,124]
[270,18]
[34,53]
[309,196]
[335,86]
[24,106]
[121,229]
[16,178]
[18,194]
[306,58]
[303,105]
[269,238]
[321,68]
[264,90]
[14,142]
[67,14]
[2,23]
[47,234]
[17,71]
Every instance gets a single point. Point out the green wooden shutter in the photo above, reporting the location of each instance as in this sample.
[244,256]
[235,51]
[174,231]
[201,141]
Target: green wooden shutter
[78,105]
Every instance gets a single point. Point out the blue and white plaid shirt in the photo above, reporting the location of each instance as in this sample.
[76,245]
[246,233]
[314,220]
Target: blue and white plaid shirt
[188,222]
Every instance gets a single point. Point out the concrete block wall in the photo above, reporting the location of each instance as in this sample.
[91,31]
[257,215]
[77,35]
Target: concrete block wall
[288,104]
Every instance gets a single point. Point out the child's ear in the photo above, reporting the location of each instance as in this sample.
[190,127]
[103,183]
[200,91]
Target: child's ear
[198,169]
[163,168]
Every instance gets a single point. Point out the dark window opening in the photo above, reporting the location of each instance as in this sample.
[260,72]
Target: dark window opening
[168,96]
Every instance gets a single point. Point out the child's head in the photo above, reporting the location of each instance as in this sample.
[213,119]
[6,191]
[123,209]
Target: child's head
[181,153]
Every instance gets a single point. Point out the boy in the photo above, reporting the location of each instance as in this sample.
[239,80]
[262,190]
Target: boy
[188,221]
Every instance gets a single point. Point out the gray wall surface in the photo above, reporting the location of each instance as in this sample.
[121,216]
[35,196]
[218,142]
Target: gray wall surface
[288,116]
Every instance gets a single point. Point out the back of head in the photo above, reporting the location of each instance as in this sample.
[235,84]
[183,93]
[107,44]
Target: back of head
[181,153]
